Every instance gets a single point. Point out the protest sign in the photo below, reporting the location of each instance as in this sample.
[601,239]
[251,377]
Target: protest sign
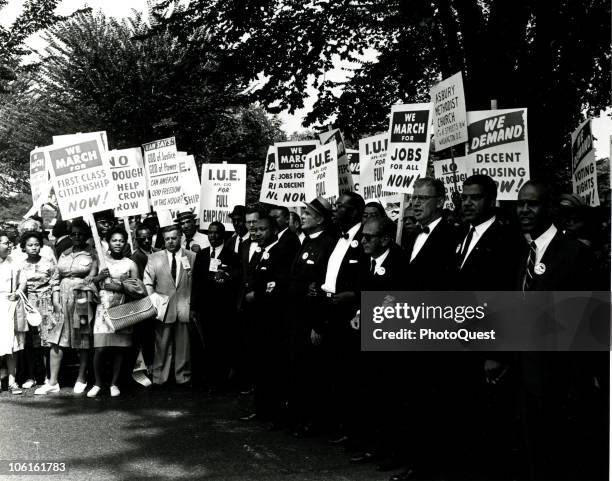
[268,193]
[372,154]
[354,167]
[290,158]
[81,176]
[223,187]
[190,187]
[322,173]
[408,148]
[69,138]
[449,116]
[584,169]
[345,179]
[127,170]
[452,173]
[39,178]
[498,146]
[164,174]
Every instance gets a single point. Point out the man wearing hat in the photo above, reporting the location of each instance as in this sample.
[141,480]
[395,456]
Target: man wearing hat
[192,239]
[241,233]
[307,272]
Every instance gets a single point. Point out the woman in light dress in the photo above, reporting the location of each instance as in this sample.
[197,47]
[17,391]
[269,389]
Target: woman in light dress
[37,277]
[11,340]
[112,294]
[73,306]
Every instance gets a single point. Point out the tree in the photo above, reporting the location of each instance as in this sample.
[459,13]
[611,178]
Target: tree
[551,58]
[98,73]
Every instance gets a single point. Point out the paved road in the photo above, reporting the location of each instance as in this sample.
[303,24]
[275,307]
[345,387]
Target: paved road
[161,435]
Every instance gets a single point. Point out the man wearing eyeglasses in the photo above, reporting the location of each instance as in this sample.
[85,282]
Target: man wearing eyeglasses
[432,248]
[144,247]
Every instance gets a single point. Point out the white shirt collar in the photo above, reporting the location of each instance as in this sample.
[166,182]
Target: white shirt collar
[381,258]
[481,228]
[280,234]
[244,237]
[267,248]
[352,232]
[543,241]
[432,225]
[315,235]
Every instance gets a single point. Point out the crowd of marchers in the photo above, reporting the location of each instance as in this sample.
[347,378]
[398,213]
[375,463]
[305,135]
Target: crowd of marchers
[273,310]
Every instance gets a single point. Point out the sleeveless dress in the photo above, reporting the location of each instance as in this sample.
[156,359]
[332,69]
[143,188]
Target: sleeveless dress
[104,333]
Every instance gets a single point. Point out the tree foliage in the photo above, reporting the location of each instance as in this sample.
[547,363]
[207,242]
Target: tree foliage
[98,73]
[552,57]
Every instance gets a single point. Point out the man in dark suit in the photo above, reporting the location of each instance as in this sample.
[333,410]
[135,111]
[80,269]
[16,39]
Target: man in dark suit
[487,256]
[248,257]
[307,272]
[288,241]
[432,249]
[556,448]
[241,233]
[339,302]
[268,297]
[381,394]
[215,277]
[489,251]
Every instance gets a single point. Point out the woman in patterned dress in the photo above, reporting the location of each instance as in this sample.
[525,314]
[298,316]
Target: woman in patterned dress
[37,277]
[10,340]
[77,267]
[112,294]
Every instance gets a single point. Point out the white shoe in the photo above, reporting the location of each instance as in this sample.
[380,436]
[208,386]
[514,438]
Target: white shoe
[79,387]
[47,389]
[93,392]
[114,391]
[30,383]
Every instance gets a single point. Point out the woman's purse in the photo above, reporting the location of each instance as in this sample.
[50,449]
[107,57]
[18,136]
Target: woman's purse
[32,315]
[134,312]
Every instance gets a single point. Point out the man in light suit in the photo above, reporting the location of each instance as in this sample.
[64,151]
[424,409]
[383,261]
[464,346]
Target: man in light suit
[168,272]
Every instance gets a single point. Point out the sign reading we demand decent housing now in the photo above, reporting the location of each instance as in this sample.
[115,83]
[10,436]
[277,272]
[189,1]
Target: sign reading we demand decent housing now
[81,175]
[498,146]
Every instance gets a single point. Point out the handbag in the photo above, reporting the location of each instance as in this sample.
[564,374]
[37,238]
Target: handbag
[32,315]
[130,313]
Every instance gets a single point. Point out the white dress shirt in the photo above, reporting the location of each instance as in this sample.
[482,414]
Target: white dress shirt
[335,260]
[301,236]
[238,240]
[198,238]
[216,251]
[379,260]
[479,231]
[253,246]
[419,242]
[543,241]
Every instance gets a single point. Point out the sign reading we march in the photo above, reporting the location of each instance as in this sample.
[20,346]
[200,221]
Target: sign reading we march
[81,176]
[584,168]
[223,187]
[498,146]
[290,158]
[408,148]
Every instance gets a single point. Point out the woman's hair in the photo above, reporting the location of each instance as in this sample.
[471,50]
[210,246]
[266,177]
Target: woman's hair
[28,235]
[116,230]
[81,224]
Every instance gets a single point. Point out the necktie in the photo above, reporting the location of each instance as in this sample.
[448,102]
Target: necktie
[529,268]
[372,267]
[466,245]
[424,230]
[187,243]
[212,252]
[173,267]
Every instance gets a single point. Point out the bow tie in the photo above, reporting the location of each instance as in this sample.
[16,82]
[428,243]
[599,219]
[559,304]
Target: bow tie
[424,230]
[345,235]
